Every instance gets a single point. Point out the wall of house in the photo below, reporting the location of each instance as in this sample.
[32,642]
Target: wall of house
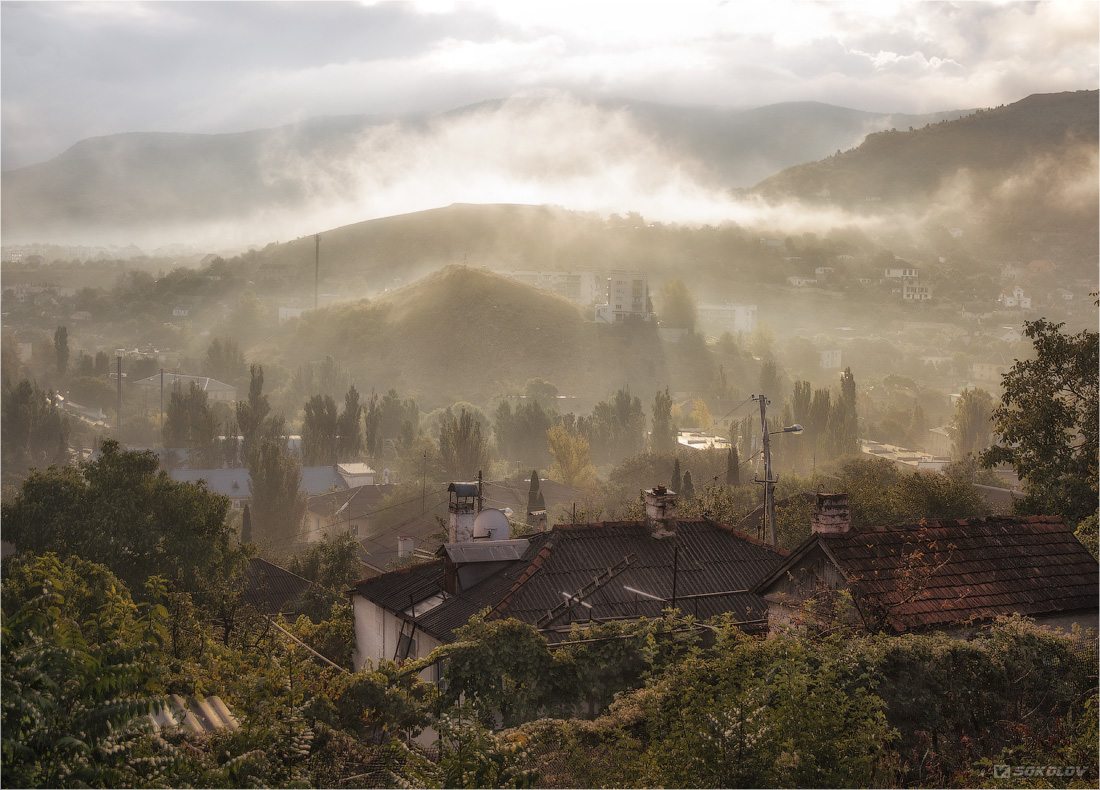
[376,634]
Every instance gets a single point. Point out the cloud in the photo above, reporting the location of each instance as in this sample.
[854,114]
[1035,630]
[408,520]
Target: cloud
[75,70]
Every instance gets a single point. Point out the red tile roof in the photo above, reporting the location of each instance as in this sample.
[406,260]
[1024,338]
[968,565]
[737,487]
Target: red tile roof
[927,575]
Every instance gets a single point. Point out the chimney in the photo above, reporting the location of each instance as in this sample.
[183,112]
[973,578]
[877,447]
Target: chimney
[831,515]
[405,546]
[660,511]
[462,511]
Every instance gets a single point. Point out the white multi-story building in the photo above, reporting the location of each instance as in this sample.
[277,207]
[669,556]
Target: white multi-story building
[729,317]
[914,291]
[583,287]
[627,295]
[901,274]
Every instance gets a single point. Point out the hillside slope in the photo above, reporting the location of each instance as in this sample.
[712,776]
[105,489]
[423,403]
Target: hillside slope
[132,183]
[1032,162]
[463,333]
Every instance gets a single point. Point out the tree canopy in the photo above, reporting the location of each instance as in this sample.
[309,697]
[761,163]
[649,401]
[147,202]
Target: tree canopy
[1047,421]
[120,510]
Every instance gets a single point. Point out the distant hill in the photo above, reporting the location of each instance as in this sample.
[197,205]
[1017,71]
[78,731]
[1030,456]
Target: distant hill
[129,183]
[463,333]
[1031,164]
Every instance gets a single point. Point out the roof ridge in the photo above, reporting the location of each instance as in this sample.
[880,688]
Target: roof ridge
[532,568]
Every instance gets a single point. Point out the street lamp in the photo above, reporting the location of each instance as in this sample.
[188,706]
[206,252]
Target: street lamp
[768,481]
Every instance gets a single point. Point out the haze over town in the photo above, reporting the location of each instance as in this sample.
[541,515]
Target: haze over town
[556,394]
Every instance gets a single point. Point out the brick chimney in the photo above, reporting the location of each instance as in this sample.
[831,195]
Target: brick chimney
[660,511]
[831,515]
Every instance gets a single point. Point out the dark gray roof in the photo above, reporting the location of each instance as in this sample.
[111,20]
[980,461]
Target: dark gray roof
[464,489]
[709,558]
[234,482]
[271,589]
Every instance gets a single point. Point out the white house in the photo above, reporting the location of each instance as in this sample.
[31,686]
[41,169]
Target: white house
[1015,297]
[900,274]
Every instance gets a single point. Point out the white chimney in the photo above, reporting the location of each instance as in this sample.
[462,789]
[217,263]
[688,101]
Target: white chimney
[462,511]
[831,515]
[660,511]
[405,546]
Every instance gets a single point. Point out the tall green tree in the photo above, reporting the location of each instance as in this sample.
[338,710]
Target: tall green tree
[278,503]
[255,420]
[320,427]
[350,440]
[971,424]
[121,510]
[463,449]
[224,360]
[733,468]
[663,436]
[61,349]
[190,424]
[1047,421]
[676,306]
[36,432]
[572,458]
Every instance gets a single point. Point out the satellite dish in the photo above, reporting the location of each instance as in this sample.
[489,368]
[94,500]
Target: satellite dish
[385,477]
[492,524]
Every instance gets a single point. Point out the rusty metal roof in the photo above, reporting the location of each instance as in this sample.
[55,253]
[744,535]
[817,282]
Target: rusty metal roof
[944,572]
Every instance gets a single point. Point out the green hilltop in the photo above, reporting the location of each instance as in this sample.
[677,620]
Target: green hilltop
[464,333]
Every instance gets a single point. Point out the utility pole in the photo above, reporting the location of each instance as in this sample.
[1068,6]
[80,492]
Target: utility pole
[118,412]
[316,266]
[768,482]
[162,401]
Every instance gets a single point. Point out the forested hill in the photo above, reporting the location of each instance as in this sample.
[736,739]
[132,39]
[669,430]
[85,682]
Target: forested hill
[1033,163]
[468,334]
[131,182]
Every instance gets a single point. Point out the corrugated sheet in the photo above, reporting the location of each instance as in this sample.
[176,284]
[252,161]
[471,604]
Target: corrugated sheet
[708,558]
[269,588]
[487,551]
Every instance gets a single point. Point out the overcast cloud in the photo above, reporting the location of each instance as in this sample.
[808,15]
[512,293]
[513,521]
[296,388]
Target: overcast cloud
[77,70]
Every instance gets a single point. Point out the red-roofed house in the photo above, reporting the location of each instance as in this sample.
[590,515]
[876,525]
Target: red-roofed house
[941,575]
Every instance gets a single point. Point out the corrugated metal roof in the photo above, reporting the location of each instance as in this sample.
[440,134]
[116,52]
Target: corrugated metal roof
[269,588]
[950,571]
[487,551]
[708,558]
[463,489]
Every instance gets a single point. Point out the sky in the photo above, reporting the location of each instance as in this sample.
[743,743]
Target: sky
[72,70]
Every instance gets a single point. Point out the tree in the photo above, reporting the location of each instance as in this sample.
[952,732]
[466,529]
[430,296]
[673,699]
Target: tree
[122,511]
[971,426]
[246,525]
[677,306]
[252,413]
[319,431]
[350,440]
[189,423]
[677,482]
[61,349]
[688,492]
[700,415]
[224,360]
[572,461]
[76,682]
[36,432]
[1047,421]
[278,503]
[733,468]
[461,446]
[663,437]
